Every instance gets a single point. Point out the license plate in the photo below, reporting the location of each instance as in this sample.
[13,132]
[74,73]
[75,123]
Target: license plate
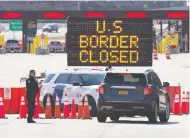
[123,92]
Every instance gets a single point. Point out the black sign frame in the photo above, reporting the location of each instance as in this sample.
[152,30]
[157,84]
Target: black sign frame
[120,56]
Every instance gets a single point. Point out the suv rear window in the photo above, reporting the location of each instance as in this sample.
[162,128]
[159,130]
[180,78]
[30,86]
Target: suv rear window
[125,79]
[55,43]
[48,78]
[93,79]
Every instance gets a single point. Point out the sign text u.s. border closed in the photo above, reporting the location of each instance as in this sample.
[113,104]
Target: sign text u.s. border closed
[109,41]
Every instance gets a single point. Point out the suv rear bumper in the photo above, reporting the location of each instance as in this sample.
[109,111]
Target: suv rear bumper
[141,108]
[13,49]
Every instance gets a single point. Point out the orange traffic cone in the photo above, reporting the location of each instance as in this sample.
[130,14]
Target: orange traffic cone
[86,111]
[48,113]
[73,109]
[80,107]
[2,109]
[36,113]
[168,53]
[155,54]
[57,108]
[22,108]
[185,103]
[177,108]
[66,111]
[188,102]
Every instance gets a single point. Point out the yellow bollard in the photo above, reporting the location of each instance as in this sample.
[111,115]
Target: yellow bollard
[167,37]
[175,40]
[1,40]
[34,45]
[46,40]
[38,43]
[163,45]
[33,48]
[158,47]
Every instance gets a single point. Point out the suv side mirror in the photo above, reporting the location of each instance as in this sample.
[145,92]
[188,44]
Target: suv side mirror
[165,84]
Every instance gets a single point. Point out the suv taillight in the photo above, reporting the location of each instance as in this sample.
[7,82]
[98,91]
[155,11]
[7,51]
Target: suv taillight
[147,91]
[1,46]
[101,90]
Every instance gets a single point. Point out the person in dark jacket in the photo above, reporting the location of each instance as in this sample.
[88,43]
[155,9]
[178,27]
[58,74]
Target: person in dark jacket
[31,91]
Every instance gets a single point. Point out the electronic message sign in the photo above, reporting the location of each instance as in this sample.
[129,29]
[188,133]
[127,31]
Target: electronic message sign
[109,41]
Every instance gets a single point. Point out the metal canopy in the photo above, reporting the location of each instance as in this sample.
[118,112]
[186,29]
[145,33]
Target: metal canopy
[181,8]
[62,15]
[87,5]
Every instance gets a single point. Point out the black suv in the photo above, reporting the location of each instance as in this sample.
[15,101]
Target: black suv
[51,27]
[12,45]
[130,94]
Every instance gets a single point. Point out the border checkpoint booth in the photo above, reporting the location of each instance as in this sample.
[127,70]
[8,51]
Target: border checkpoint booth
[30,30]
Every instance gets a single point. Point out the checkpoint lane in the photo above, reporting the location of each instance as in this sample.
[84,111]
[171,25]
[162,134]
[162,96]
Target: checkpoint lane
[72,128]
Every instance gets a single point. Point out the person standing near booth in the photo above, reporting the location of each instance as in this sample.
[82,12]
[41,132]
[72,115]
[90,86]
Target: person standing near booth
[31,91]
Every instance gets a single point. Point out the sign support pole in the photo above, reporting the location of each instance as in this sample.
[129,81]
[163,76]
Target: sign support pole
[13,34]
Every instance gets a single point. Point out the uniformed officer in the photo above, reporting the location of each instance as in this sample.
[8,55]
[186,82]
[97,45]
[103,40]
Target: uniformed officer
[31,91]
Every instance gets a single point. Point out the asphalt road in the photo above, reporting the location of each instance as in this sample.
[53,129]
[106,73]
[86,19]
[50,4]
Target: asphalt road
[177,127]
[174,71]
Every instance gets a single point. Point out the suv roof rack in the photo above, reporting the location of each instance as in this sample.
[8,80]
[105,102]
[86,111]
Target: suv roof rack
[88,69]
[97,69]
[81,69]
[114,69]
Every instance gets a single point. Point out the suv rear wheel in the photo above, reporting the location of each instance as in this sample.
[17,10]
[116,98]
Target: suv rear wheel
[153,114]
[164,117]
[101,117]
[114,117]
